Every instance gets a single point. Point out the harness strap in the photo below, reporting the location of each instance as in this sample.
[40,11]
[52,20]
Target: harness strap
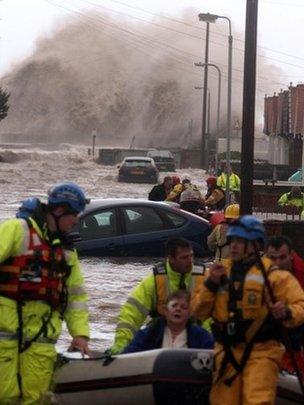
[43,330]
[251,337]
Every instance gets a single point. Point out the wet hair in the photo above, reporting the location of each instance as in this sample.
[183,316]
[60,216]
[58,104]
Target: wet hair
[173,244]
[167,178]
[179,294]
[278,241]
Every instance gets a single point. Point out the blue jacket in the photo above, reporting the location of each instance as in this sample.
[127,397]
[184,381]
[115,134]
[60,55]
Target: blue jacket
[151,337]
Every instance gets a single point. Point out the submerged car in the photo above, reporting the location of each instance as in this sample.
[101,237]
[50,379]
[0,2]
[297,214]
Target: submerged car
[163,159]
[138,169]
[132,227]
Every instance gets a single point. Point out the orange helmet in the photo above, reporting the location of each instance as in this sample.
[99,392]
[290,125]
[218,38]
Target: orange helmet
[175,180]
[211,181]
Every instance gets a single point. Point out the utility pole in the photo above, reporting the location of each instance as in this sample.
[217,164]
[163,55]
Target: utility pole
[94,132]
[249,107]
[204,142]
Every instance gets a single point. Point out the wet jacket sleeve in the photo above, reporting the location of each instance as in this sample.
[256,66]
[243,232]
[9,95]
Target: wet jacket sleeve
[202,301]
[215,197]
[139,342]
[283,199]
[287,289]
[199,338]
[175,192]
[133,313]
[212,240]
[221,180]
[236,183]
[11,238]
[76,314]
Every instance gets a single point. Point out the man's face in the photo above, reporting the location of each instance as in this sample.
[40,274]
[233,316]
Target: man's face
[66,220]
[168,183]
[177,311]
[280,257]
[182,262]
[237,249]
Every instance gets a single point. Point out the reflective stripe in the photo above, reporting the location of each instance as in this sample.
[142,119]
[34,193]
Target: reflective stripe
[14,336]
[77,305]
[125,325]
[255,277]
[77,290]
[139,306]
[198,271]
[8,335]
[26,236]
[43,340]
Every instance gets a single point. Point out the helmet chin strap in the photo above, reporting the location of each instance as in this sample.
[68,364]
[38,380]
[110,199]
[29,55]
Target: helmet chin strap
[248,256]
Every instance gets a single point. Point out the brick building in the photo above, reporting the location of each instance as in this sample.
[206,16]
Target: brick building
[284,124]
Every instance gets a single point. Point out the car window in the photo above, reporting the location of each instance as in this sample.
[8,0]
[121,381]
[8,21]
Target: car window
[175,219]
[142,219]
[137,163]
[98,225]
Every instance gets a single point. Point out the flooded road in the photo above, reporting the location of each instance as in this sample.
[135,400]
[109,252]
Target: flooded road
[30,172]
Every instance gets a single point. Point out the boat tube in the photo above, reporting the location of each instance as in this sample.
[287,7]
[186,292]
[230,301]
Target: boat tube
[162,376]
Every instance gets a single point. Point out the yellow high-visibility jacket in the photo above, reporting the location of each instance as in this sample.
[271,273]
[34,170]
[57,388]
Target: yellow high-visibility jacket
[147,298]
[255,299]
[234,181]
[286,199]
[14,241]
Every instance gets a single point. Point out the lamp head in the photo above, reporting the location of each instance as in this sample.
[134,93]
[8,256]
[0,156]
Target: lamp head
[207,17]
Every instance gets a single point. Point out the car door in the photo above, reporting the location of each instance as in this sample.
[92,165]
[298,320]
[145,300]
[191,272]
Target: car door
[144,231]
[100,234]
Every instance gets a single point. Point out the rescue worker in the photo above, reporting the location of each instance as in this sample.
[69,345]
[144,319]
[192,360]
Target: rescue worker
[248,349]
[27,207]
[150,296]
[161,191]
[40,285]
[174,195]
[294,198]
[191,200]
[280,252]
[217,240]
[234,181]
[175,180]
[215,197]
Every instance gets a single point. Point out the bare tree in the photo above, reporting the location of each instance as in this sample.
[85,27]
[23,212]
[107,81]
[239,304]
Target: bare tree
[4,106]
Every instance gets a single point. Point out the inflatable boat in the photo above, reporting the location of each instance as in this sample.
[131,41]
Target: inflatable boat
[163,376]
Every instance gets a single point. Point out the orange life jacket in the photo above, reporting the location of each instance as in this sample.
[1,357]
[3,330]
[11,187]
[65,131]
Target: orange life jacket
[38,274]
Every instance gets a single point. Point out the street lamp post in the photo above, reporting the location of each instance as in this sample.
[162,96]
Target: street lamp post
[199,64]
[211,18]
[207,120]
[204,141]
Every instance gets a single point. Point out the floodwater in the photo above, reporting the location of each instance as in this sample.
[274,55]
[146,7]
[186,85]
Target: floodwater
[31,172]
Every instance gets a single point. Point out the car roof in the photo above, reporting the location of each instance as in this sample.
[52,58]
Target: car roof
[144,158]
[97,203]
[163,153]
[116,202]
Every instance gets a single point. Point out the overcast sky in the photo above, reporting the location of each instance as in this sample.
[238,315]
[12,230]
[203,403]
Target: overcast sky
[281,25]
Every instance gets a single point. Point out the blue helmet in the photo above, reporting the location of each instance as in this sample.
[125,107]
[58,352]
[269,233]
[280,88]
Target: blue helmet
[28,207]
[247,227]
[68,193]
